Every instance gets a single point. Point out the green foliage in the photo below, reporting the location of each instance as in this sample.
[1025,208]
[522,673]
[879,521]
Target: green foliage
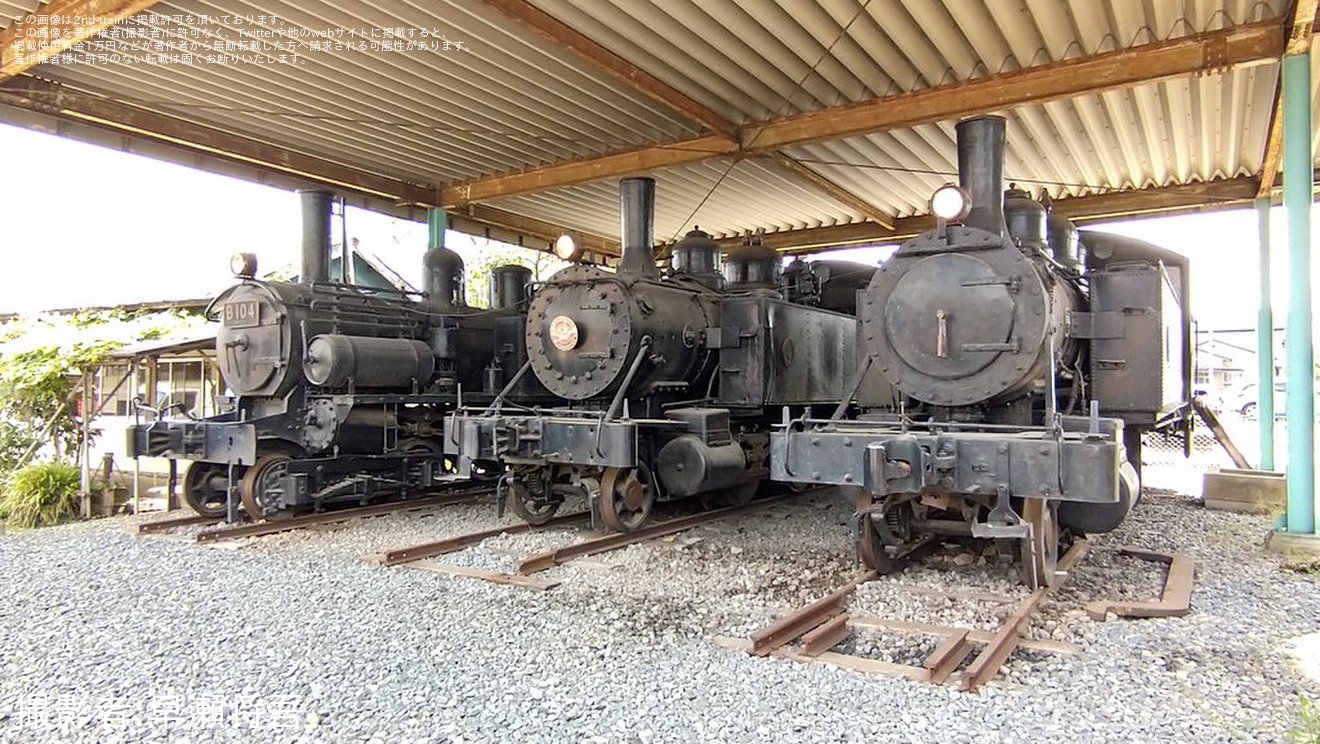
[42,359]
[493,254]
[43,493]
[36,383]
[1307,730]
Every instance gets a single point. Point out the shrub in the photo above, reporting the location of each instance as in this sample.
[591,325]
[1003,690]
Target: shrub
[43,493]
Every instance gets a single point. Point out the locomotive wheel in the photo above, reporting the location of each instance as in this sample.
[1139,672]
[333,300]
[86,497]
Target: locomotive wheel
[626,498]
[741,494]
[529,508]
[206,489]
[870,547]
[1040,550]
[425,447]
[263,485]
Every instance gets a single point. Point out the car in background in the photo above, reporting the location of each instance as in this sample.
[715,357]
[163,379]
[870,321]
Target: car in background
[1243,400]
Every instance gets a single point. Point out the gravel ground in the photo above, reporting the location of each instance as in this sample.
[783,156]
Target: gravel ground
[108,636]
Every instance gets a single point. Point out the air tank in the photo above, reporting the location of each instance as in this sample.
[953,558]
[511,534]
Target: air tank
[333,360]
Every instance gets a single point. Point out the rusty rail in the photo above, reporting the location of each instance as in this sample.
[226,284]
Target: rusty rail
[453,544]
[551,558]
[824,624]
[795,624]
[160,525]
[342,515]
[986,665]
[1174,601]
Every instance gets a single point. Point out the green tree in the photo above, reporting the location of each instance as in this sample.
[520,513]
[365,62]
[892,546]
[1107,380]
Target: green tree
[490,254]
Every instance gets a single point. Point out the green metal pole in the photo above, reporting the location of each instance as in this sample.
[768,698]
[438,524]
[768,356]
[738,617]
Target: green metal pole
[437,221]
[1265,343]
[1300,357]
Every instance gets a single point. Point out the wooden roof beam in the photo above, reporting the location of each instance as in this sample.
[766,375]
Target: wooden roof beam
[1300,31]
[483,215]
[845,197]
[547,26]
[1183,199]
[1202,53]
[66,22]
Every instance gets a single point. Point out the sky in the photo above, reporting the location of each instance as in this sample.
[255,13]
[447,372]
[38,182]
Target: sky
[86,225]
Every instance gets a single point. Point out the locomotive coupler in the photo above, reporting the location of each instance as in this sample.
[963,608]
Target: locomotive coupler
[1002,521]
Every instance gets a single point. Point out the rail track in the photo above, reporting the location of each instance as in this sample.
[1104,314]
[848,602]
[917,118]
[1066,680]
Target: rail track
[823,625]
[524,574]
[273,526]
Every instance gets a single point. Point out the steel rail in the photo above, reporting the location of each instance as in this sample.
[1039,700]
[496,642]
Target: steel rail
[343,515]
[551,558]
[793,625]
[986,665]
[453,544]
[160,525]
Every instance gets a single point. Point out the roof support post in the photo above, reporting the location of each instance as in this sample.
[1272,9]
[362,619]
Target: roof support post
[437,221]
[1265,342]
[1298,179]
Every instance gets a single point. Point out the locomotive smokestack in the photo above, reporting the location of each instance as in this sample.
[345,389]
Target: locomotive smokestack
[981,171]
[315,236]
[637,226]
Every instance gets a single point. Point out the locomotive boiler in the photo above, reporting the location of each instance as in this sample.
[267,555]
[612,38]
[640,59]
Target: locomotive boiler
[340,389]
[1011,365]
[667,382]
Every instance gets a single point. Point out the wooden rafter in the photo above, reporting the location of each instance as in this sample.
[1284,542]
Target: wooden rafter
[845,197]
[58,100]
[54,28]
[1170,200]
[1216,50]
[1300,30]
[481,214]
[560,33]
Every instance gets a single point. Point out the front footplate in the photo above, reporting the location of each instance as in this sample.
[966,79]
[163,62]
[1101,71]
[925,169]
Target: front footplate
[540,439]
[207,441]
[1071,466]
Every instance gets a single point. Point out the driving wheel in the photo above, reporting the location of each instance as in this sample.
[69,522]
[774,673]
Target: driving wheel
[626,498]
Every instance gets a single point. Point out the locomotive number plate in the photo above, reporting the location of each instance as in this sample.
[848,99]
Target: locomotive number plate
[241,314]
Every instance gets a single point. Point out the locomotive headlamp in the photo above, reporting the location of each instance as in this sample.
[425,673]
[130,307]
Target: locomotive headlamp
[950,203]
[563,333]
[244,265]
[566,247]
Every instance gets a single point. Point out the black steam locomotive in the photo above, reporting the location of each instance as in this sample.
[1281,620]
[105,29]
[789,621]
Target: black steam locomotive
[667,382]
[1011,366]
[340,389]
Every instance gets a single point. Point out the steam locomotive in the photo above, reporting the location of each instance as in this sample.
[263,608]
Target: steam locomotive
[1010,368]
[668,384]
[340,389]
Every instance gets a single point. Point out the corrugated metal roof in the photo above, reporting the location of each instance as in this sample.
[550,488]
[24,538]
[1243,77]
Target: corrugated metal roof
[505,100]
[513,99]
[10,10]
